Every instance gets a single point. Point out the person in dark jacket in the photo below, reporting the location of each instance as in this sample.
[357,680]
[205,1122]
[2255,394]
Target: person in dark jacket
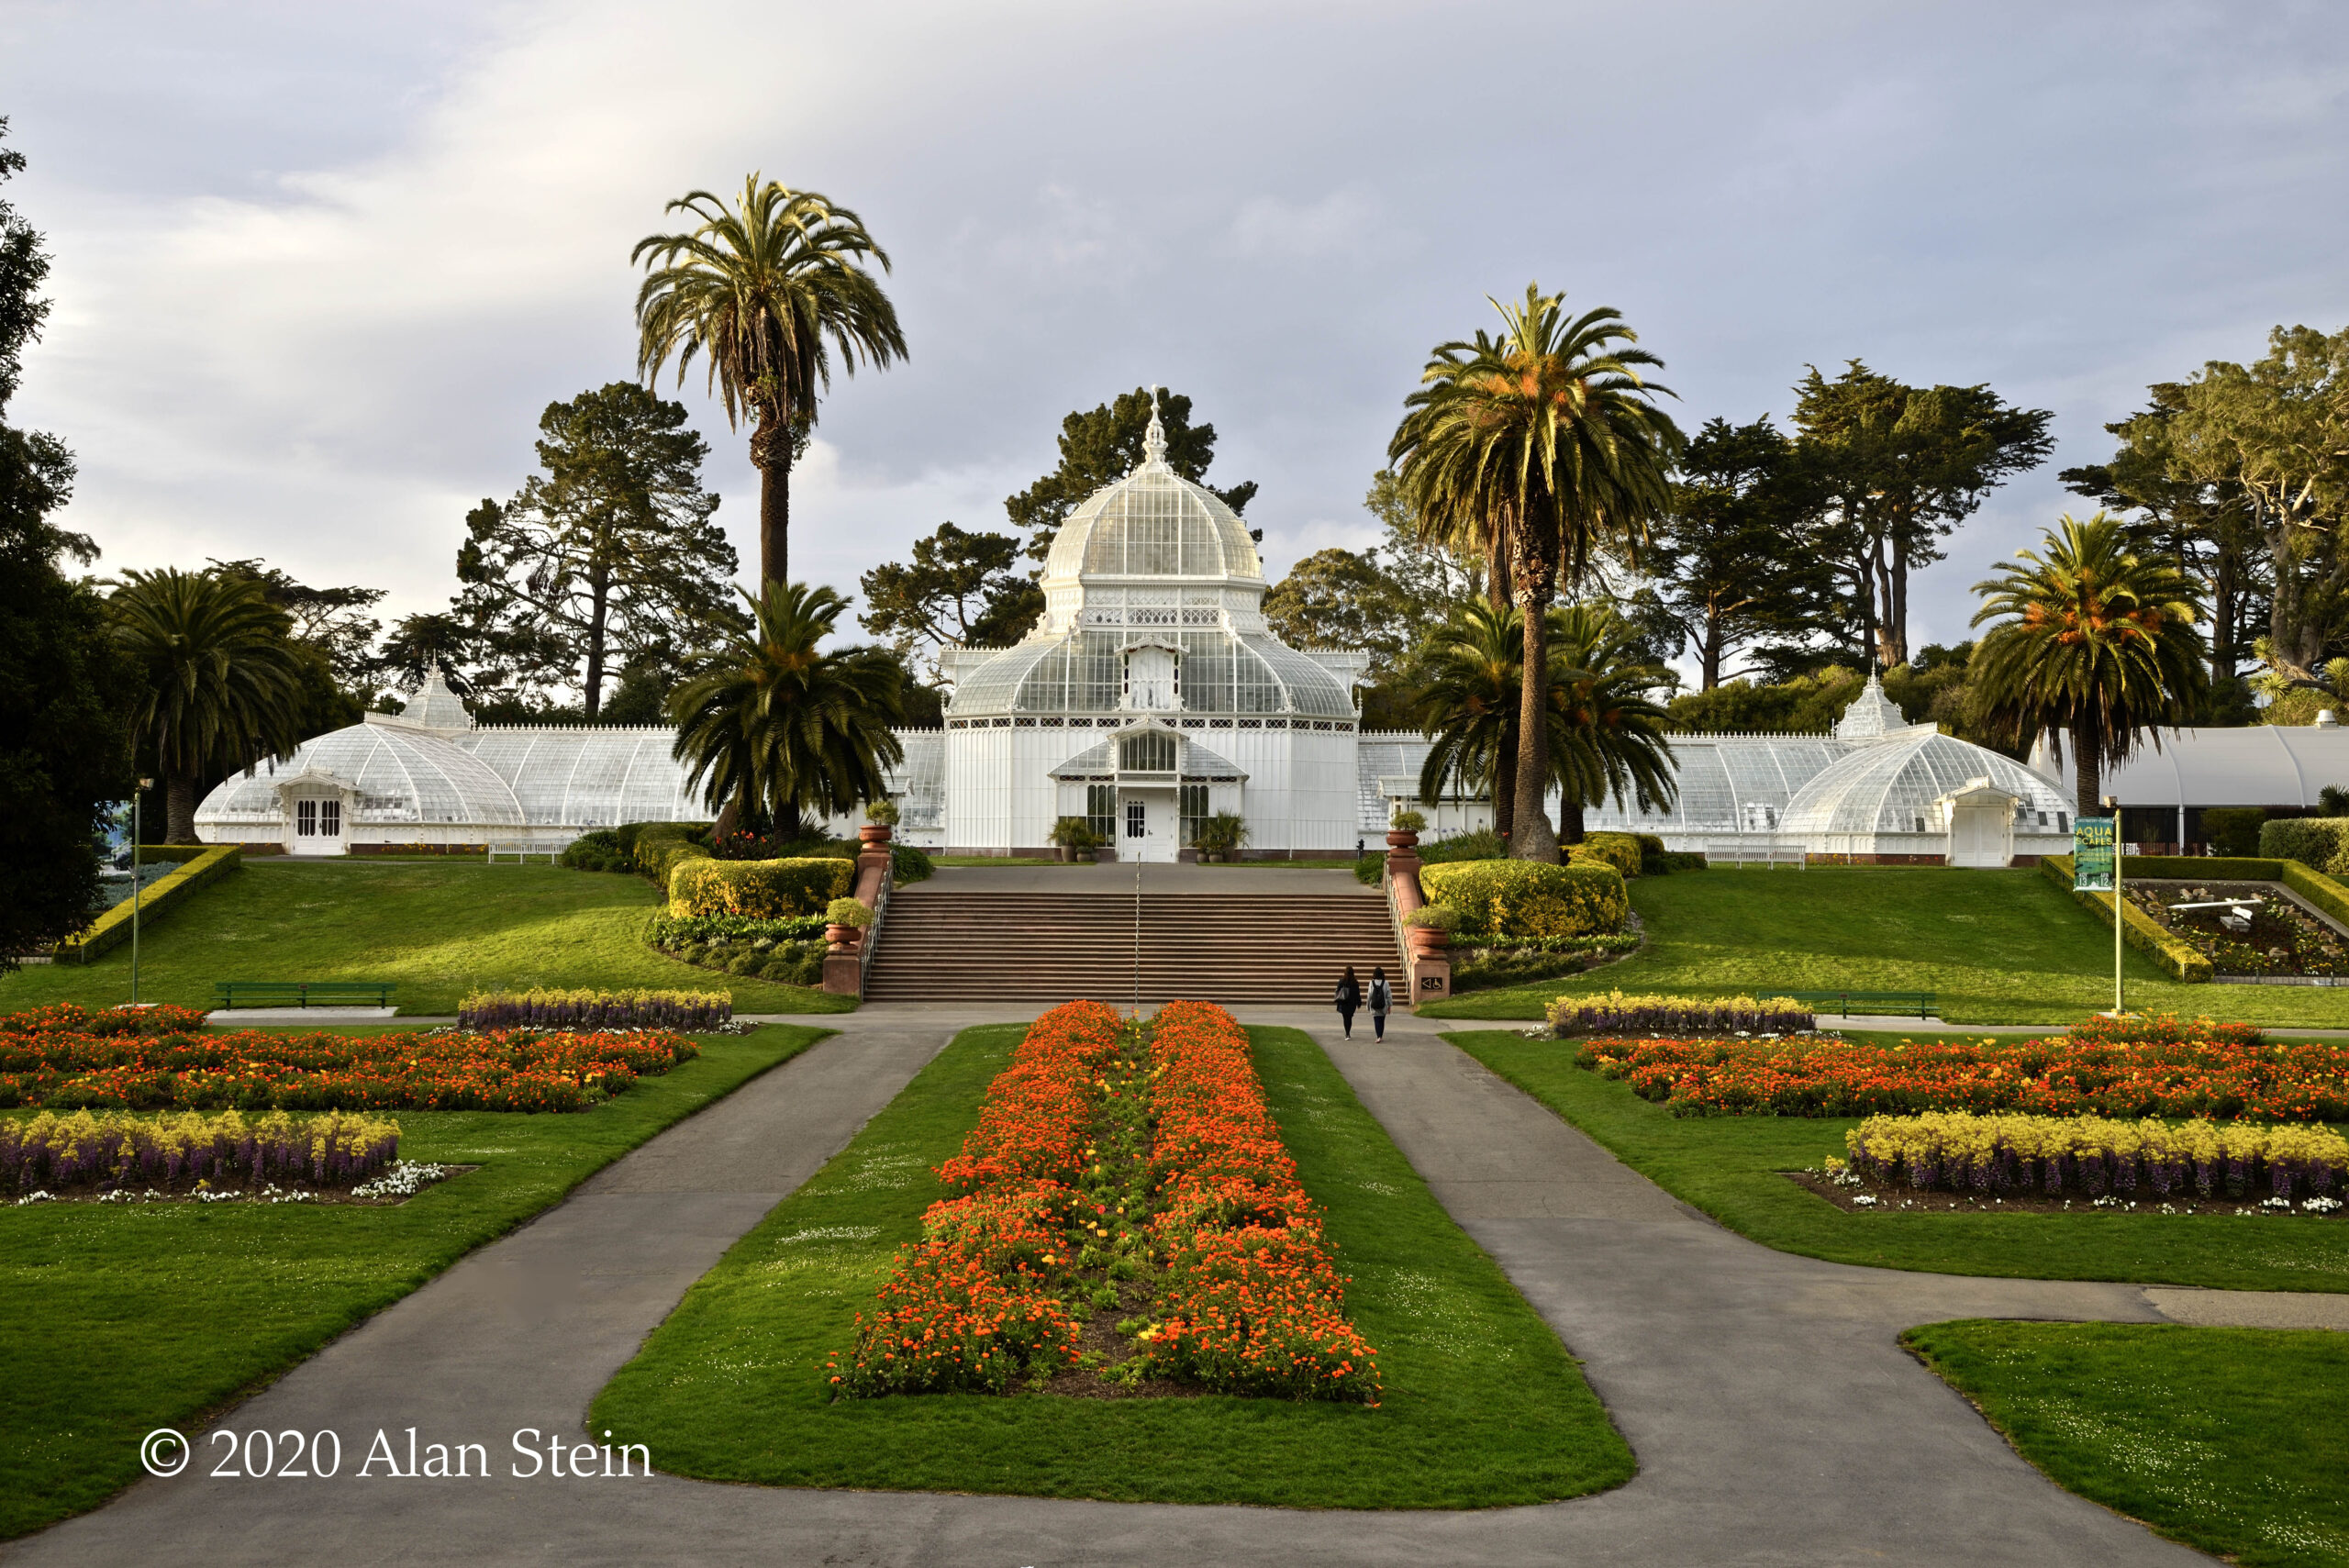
[1381,1000]
[1349,999]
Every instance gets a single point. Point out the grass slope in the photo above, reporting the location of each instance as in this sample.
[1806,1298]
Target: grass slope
[1483,1405]
[438,930]
[2228,1439]
[1728,1167]
[114,1321]
[1995,946]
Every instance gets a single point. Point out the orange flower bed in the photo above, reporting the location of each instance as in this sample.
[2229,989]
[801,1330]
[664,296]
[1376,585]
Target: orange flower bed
[973,1306]
[1248,1295]
[1253,1302]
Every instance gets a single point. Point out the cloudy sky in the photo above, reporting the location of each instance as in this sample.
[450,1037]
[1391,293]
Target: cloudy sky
[319,267]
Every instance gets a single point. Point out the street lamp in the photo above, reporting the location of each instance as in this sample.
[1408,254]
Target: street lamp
[135,802]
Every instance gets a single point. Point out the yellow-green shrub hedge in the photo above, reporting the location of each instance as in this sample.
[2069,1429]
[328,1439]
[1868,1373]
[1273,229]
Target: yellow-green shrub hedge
[764,890]
[200,866]
[659,854]
[1621,850]
[2177,958]
[1525,898]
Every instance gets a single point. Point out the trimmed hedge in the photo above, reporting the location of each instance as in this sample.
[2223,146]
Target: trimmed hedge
[201,866]
[2178,960]
[2321,843]
[1526,898]
[767,890]
[663,847]
[2201,868]
[1621,850]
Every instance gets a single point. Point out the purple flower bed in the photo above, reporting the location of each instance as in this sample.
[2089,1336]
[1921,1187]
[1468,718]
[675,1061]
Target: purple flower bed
[112,1149]
[595,1009]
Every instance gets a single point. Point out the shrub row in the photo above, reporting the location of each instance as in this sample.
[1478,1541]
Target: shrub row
[2176,958]
[2135,1068]
[197,870]
[1617,1014]
[1524,898]
[765,890]
[974,1306]
[2094,1156]
[112,1150]
[2321,843]
[594,1009]
[1251,1301]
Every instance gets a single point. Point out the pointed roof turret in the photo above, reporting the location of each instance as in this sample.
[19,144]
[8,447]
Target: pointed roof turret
[1871,715]
[435,706]
[1153,439]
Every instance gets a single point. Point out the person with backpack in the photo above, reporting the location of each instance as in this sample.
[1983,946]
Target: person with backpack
[1381,1000]
[1349,999]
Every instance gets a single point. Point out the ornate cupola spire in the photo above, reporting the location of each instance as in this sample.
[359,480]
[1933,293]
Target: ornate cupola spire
[1153,439]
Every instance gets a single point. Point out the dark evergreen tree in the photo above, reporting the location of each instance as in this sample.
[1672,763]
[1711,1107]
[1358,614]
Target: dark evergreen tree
[1101,447]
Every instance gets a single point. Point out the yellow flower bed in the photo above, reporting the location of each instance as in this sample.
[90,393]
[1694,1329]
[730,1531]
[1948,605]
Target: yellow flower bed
[1962,1152]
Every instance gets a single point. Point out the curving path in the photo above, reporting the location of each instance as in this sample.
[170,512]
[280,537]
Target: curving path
[1774,1418]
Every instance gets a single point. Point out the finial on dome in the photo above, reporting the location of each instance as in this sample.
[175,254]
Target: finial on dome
[1153,439]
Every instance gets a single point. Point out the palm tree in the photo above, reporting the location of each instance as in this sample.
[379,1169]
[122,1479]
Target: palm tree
[1549,434]
[1608,729]
[769,290]
[774,725]
[222,682]
[1470,680]
[2092,642]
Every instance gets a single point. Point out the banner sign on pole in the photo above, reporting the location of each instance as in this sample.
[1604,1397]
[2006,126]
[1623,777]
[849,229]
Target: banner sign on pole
[2094,844]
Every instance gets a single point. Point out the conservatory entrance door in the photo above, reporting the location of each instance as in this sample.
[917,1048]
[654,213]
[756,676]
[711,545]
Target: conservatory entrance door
[1146,825]
[318,825]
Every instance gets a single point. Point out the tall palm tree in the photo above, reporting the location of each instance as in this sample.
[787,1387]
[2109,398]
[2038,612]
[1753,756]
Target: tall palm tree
[2094,642]
[1608,729]
[1470,678]
[221,681]
[769,290]
[1550,434]
[774,724]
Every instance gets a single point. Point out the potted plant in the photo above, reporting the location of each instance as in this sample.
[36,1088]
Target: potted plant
[846,921]
[1070,835]
[1429,928]
[1222,835]
[879,822]
[1403,830]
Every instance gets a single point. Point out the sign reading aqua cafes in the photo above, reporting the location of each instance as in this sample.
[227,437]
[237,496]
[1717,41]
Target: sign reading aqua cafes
[2095,841]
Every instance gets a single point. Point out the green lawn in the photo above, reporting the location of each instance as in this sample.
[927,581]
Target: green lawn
[2228,1439]
[1728,1166]
[438,930]
[114,1321]
[1483,1405]
[1995,947]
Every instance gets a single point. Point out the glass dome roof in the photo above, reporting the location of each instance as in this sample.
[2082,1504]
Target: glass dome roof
[1891,787]
[1153,523]
[1218,671]
[403,774]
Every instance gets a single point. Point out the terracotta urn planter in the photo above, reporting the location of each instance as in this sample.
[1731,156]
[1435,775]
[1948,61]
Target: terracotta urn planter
[874,833]
[1427,940]
[1402,840]
[844,939]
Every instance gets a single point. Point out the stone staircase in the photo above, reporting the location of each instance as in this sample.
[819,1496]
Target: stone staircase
[1056,947]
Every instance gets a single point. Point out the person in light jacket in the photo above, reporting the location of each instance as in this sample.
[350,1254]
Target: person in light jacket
[1349,999]
[1381,1000]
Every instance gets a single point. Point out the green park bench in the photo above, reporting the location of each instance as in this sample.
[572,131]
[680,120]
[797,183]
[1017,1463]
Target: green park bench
[1899,1003]
[301,993]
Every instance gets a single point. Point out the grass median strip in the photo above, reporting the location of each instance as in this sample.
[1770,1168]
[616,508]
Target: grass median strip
[1483,1406]
[116,1320]
[1733,1168]
[2228,1439]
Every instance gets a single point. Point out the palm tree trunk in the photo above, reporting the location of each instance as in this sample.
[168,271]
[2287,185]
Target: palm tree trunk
[179,810]
[1531,837]
[770,450]
[1504,795]
[2089,799]
[1570,829]
[730,819]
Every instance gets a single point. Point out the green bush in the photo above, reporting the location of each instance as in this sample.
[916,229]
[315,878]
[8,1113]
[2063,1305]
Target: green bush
[2178,960]
[598,851]
[201,865]
[1483,845]
[662,847]
[908,865]
[767,890]
[1678,859]
[746,964]
[1654,858]
[2200,868]
[672,933]
[2232,829]
[1525,898]
[1621,850]
[2317,842]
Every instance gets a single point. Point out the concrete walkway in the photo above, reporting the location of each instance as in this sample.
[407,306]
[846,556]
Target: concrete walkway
[1774,1417]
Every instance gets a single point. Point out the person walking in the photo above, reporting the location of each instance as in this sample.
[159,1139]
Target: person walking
[1381,1000]
[1349,999]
